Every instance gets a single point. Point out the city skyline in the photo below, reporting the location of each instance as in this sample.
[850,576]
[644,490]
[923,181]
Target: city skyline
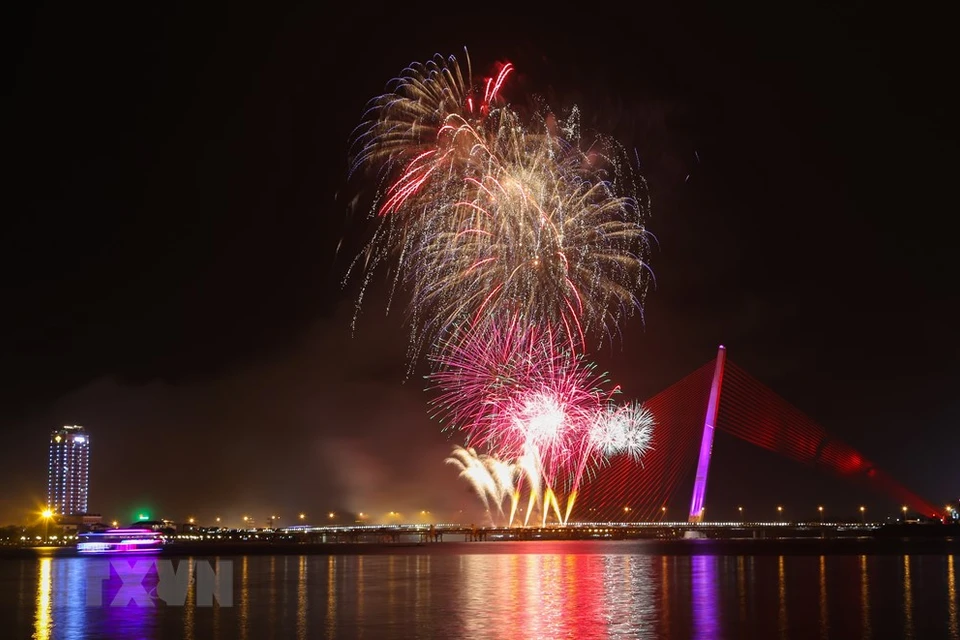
[837,460]
[190,306]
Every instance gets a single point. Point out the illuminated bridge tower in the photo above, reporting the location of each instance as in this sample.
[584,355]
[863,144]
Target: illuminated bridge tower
[706,445]
[68,472]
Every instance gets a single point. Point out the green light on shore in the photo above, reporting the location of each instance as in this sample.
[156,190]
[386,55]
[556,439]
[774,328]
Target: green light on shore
[143,516]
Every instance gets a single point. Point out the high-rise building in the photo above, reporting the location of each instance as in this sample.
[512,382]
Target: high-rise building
[68,472]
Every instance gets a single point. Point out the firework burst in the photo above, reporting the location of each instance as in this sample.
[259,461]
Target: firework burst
[489,213]
[511,387]
[517,240]
[519,393]
[622,429]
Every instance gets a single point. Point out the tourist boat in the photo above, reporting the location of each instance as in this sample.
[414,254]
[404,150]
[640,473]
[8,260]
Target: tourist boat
[120,541]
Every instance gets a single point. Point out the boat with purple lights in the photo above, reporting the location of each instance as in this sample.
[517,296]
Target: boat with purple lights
[120,541]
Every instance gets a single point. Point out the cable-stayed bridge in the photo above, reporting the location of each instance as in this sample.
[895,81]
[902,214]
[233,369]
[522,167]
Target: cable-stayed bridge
[721,396]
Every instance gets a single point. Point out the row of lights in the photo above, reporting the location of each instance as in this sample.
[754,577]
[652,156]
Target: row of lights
[626,509]
[47,514]
[331,515]
[863,510]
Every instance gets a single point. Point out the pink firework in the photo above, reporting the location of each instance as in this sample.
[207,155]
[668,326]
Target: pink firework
[517,390]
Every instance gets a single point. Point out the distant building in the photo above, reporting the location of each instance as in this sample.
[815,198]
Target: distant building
[81,523]
[164,526]
[68,471]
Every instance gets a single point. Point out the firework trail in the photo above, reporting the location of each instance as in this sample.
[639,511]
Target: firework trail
[493,480]
[487,212]
[517,391]
[516,240]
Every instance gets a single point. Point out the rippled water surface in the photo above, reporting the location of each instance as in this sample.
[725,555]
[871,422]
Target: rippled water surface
[506,590]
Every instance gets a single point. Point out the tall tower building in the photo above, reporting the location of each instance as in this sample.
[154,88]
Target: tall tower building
[68,472]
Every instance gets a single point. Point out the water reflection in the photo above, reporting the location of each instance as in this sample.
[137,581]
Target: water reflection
[302,598]
[782,592]
[391,592]
[221,588]
[124,619]
[244,615]
[331,618]
[550,596]
[493,594]
[665,596]
[272,611]
[424,588]
[41,629]
[191,598]
[742,590]
[703,574]
[907,599]
[824,620]
[865,599]
[73,619]
[952,595]
[360,587]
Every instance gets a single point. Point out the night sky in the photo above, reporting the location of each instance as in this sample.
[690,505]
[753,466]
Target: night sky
[177,192]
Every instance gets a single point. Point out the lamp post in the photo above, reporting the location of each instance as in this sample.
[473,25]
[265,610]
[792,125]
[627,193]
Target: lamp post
[663,511]
[47,514]
[820,509]
[740,509]
[779,513]
[303,517]
[904,508]
[863,515]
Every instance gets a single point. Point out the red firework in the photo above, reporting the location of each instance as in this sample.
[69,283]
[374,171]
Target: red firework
[515,390]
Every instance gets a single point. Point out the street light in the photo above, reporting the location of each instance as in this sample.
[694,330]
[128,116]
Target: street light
[191,520]
[904,507]
[47,514]
[779,512]
[863,516]
[820,509]
[115,524]
[740,509]
[663,510]
[303,516]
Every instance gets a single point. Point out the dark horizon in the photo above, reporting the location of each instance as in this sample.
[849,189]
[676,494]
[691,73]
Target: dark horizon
[183,219]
